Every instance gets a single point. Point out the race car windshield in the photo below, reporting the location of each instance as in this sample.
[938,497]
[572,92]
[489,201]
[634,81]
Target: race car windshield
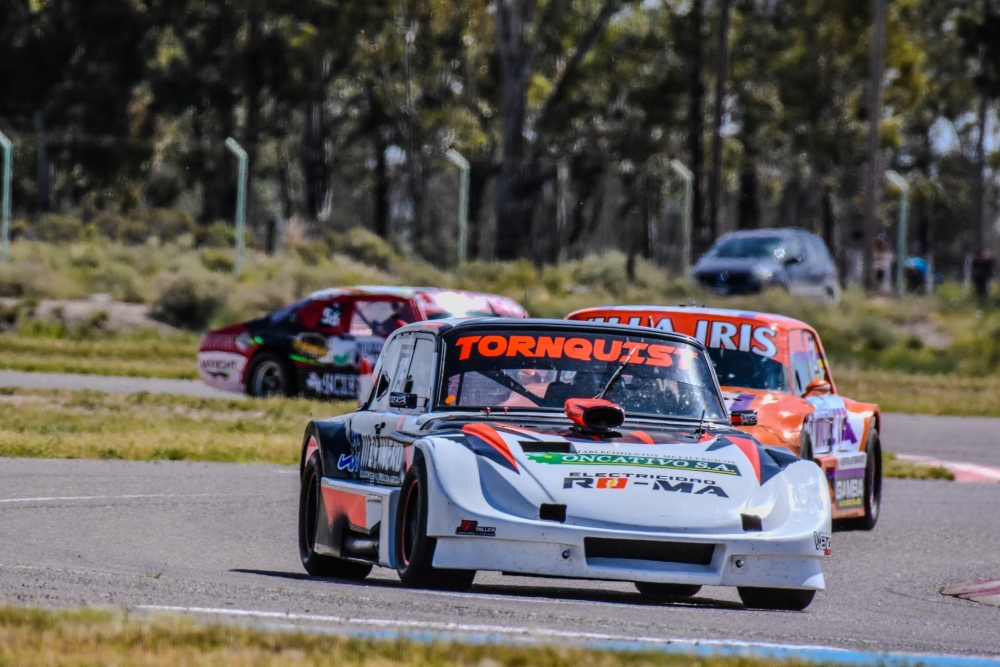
[736,368]
[754,247]
[527,369]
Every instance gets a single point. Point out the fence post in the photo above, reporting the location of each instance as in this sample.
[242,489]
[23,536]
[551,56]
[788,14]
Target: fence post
[688,179]
[463,200]
[904,211]
[241,200]
[8,148]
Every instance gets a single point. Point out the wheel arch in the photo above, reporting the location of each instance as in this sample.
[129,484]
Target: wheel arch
[331,439]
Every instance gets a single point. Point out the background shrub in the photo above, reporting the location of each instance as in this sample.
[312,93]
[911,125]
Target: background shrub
[190,300]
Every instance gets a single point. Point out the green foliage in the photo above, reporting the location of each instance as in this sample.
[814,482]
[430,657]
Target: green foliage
[189,300]
[363,246]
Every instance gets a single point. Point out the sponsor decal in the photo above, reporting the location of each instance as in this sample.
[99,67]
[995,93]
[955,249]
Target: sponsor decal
[852,462]
[581,349]
[849,488]
[693,486]
[347,462]
[714,333]
[331,316]
[717,467]
[333,384]
[218,368]
[308,349]
[823,543]
[469,527]
[378,459]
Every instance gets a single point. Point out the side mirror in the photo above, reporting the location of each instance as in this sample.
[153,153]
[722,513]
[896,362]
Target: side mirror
[818,388]
[365,381]
[743,417]
[400,399]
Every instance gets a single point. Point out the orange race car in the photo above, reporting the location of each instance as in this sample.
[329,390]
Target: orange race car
[776,366]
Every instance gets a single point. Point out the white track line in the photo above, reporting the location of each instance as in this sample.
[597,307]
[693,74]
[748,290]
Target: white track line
[458,627]
[128,497]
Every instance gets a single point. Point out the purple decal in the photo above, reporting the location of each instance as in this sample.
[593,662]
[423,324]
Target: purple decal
[742,402]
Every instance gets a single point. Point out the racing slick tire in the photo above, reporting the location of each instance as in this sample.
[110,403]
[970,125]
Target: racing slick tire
[775,599]
[667,590]
[414,550]
[873,485]
[805,447]
[270,375]
[314,563]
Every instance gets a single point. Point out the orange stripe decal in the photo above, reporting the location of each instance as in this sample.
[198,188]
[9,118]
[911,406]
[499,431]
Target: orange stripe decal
[342,503]
[489,435]
[749,449]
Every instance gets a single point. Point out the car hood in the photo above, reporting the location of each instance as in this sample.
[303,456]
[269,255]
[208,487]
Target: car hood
[677,481]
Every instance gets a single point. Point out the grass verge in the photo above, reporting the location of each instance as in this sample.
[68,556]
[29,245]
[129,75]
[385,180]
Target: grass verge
[140,356]
[143,426]
[893,467]
[150,427]
[30,637]
[921,394]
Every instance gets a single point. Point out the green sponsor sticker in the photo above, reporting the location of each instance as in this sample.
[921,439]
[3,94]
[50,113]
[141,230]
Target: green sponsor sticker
[632,460]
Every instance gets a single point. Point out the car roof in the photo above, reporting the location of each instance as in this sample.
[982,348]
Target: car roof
[438,327]
[768,231]
[406,292]
[779,321]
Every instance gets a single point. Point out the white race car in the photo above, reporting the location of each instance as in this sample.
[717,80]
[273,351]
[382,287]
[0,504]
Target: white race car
[563,449]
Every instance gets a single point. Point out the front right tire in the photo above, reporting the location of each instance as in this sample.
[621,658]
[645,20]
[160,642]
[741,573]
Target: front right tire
[414,550]
[667,590]
[775,599]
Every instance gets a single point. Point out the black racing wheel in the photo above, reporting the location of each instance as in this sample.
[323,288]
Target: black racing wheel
[667,590]
[776,599]
[270,375]
[316,564]
[873,485]
[414,550]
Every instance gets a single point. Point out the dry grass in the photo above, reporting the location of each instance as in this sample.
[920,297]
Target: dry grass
[893,467]
[146,356]
[67,424]
[922,394]
[30,637]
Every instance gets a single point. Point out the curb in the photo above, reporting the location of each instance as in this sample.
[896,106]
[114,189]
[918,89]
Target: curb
[963,472]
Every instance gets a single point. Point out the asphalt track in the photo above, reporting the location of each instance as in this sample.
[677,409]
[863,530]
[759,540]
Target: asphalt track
[221,538]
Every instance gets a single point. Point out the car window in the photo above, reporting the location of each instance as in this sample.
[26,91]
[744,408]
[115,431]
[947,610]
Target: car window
[755,247]
[288,313]
[539,370]
[818,248]
[807,364]
[415,370]
[380,317]
[794,248]
[738,368]
[386,371]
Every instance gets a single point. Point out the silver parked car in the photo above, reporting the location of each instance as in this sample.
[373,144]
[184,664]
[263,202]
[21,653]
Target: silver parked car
[749,261]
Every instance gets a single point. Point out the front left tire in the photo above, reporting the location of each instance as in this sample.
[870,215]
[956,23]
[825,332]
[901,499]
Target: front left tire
[316,564]
[270,375]
[414,549]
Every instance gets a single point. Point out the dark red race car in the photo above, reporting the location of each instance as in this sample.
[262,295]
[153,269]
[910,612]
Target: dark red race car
[323,345]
